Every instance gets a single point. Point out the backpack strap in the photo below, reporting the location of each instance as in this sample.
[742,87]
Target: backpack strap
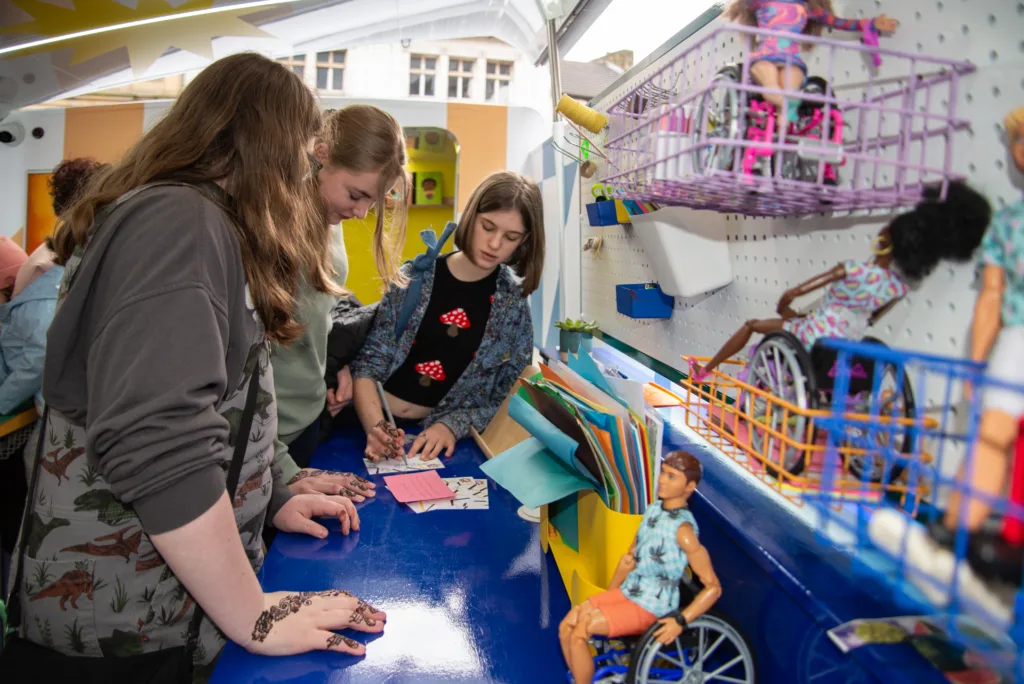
[420,265]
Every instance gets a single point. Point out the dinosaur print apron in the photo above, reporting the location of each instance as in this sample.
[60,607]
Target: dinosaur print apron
[93,584]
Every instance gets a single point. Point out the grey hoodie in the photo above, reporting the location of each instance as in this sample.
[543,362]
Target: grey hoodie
[148,365]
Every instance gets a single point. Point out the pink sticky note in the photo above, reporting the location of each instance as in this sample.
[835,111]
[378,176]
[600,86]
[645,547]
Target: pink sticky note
[422,486]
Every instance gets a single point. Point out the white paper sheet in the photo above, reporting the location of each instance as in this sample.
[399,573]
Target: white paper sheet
[470,494]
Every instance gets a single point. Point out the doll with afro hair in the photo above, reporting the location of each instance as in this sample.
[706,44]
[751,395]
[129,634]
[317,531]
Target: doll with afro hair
[859,292]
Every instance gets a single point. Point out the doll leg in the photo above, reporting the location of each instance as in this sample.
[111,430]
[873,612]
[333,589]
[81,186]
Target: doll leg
[567,625]
[793,78]
[991,462]
[735,344]
[767,75]
[581,663]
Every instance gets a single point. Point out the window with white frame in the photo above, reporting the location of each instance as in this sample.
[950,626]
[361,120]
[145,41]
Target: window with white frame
[499,75]
[296,63]
[330,70]
[422,72]
[460,77]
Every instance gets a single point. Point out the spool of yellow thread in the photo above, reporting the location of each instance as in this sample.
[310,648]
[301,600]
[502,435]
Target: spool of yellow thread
[582,115]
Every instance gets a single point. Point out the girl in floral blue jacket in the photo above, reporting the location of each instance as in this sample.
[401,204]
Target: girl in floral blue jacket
[450,340]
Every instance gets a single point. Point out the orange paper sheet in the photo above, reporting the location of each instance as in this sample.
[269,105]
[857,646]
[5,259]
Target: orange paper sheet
[658,397]
[422,486]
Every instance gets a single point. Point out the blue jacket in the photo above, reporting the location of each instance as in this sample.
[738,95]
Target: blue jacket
[506,349]
[23,324]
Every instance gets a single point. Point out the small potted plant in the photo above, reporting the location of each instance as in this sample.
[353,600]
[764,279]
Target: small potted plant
[572,334]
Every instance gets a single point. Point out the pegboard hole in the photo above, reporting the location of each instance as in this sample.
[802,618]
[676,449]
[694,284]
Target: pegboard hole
[952,342]
[966,29]
[996,92]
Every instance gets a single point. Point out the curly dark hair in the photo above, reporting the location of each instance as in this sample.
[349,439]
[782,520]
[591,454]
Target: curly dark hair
[686,463]
[68,179]
[937,230]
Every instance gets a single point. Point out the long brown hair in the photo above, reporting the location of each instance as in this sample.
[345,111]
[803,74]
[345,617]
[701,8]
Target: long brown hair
[363,138]
[509,190]
[740,12]
[245,121]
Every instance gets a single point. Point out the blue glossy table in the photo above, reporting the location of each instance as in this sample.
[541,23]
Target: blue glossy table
[469,595]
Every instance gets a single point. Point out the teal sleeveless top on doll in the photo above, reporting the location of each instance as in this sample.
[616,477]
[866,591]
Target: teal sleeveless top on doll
[660,562]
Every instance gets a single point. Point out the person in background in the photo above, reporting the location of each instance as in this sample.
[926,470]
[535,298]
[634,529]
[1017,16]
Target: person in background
[468,335]
[182,263]
[358,160]
[69,179]
[12,475]
[25,317]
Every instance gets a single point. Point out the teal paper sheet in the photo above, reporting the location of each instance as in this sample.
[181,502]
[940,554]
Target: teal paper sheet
[534,475]
[564,516]
[585,367]
[556,441]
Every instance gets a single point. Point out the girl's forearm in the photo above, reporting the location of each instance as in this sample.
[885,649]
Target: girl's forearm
[367,403]
[206,555]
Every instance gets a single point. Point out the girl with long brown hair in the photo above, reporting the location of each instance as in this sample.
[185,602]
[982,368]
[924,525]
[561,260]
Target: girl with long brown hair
[152,477]
[448,347]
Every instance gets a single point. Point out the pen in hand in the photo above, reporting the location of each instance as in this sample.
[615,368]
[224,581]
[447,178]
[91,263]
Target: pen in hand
[390,417]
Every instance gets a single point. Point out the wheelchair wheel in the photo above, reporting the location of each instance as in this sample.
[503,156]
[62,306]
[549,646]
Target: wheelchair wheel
[781,367]
[712,649]
[896,400]
[719,106]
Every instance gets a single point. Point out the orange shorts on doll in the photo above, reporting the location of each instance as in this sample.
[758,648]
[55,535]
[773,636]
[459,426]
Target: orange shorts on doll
[624,617]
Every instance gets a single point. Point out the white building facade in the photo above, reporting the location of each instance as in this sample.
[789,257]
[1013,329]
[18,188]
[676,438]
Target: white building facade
[474,70]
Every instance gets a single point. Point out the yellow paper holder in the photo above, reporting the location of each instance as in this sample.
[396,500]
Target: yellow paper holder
[604,536]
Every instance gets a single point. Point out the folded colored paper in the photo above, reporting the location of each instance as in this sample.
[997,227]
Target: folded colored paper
[422,486]
[534,475]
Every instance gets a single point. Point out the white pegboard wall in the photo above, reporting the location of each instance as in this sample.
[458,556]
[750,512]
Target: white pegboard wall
[770,255]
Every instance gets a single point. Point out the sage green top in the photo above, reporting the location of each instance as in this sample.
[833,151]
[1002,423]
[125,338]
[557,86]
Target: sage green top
[299,368]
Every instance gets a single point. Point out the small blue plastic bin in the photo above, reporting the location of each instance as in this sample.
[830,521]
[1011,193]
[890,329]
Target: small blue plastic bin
[643,300]
[602,213]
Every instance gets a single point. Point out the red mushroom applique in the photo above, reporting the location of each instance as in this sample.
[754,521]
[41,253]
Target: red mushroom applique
[430,370]
[454,320]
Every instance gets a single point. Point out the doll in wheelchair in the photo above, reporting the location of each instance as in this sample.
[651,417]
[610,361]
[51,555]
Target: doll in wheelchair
[787,363]
[776,63]
[651,580]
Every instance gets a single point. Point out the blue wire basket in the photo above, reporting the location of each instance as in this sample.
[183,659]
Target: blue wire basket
[903,547]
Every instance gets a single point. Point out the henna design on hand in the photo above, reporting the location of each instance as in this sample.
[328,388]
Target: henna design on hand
[336,639]
[364,607]
[392,432]
[348,492]
[304,473]
[356,618]
[289,605]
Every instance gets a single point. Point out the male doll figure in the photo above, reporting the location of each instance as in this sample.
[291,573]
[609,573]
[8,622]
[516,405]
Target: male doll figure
[646,581]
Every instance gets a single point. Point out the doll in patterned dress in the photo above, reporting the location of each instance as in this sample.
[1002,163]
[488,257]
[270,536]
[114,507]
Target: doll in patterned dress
[768,61]
[860,292]
[645,586]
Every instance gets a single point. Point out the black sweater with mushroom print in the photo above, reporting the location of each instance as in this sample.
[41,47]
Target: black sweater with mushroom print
[447,340]
[505,350]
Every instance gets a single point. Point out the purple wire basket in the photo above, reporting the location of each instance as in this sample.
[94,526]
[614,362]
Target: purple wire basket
[698,132]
